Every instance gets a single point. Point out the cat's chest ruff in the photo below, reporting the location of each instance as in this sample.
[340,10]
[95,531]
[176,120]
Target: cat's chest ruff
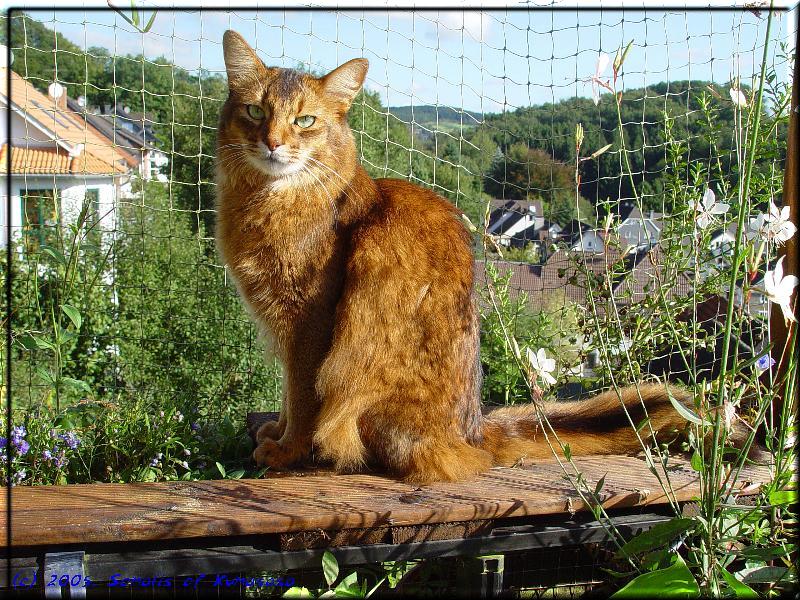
[278,258]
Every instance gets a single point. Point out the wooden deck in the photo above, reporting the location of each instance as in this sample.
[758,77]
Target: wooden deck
[312,506]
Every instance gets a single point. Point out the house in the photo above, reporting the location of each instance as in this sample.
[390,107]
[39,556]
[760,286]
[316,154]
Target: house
[639,232]
[520,224]
[130,130]
[58,162]
[513,222]
[578,236]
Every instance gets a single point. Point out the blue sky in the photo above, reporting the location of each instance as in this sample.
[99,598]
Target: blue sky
[487,61]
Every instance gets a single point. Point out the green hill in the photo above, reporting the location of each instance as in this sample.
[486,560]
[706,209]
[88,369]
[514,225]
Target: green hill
[428,115]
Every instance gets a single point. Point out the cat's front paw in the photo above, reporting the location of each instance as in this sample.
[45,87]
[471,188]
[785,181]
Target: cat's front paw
[280,455]
[271,430]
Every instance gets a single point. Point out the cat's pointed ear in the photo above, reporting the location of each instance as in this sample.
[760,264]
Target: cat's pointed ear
[345,81]
[241,62]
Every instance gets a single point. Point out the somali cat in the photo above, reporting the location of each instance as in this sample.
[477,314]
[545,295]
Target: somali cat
[365,289]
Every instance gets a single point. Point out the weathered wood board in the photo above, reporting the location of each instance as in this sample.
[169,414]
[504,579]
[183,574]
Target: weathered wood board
[318,500]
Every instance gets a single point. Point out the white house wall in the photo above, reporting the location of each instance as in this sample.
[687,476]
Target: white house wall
[72,190]
[24,135]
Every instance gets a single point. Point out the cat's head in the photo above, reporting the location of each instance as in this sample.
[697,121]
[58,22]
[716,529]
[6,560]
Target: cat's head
[281,122]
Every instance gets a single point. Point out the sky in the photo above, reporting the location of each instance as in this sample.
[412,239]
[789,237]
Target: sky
[486,61]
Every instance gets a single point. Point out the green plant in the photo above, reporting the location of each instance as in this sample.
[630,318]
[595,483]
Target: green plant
[357,584]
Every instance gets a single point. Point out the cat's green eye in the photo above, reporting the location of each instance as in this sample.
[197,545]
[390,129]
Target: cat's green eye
[305,121]
[255,112]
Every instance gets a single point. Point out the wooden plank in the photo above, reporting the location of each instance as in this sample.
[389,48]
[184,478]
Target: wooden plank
[45,515]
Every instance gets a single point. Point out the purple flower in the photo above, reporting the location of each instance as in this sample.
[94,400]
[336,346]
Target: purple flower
[17,433]
[61,460]
[23,447]
[3,442]
[195,426]
[47,455]
[19,475]
[70,439]
[154,462]
[765,362]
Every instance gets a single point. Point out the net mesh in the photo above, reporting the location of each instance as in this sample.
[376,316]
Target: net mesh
[480,106]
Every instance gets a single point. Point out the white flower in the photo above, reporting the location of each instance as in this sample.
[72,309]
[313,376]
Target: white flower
[542,365]
[758,228]
[728,415]
[779,289]
[738,97]
[707,207]
[774,226]
[781,227]
[602,64]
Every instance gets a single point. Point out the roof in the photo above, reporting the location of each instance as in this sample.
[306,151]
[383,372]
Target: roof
[52,161]
[631,278]
[517,208]
[66,129]
[129,141]
[647,277]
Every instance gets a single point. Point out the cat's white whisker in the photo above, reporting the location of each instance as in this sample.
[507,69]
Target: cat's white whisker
[332,201]
[347,183]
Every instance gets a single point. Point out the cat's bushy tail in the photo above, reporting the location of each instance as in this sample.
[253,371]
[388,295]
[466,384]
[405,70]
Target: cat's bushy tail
[598,425]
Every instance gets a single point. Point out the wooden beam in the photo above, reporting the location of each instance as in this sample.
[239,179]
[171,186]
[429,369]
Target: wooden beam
[782,336]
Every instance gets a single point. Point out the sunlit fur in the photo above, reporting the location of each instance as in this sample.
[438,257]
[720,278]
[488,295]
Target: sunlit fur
[365,290]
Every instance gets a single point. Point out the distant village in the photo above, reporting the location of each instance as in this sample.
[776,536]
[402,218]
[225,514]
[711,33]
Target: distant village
[629,256]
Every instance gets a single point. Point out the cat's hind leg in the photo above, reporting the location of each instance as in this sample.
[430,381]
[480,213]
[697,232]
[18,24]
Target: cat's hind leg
[337,437]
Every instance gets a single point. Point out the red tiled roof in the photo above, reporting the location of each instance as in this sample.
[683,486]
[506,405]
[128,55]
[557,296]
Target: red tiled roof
[54,161]
[578,275]
[68,128]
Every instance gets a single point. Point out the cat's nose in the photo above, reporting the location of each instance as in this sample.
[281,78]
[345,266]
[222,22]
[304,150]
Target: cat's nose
[273,145]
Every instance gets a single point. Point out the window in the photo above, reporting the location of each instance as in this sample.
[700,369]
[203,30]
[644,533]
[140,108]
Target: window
[41,215]
[92,202]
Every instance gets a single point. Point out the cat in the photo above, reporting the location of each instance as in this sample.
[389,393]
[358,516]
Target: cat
[364,288]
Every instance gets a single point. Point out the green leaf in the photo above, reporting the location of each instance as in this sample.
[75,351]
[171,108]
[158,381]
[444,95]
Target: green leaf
[740,589]
[685,412]
[619,60]
[349,587]
[45,375]
[764,574]
[149,23]
[77,384]
[782,497]
[697,461]
[34,342]
[769,553]
[330,567]
[567,452]
[54,254]
[297,592]
[602,150]
[676,581]
[660,535]
[73,314]
[599,487]
[221,469]
[236,474]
